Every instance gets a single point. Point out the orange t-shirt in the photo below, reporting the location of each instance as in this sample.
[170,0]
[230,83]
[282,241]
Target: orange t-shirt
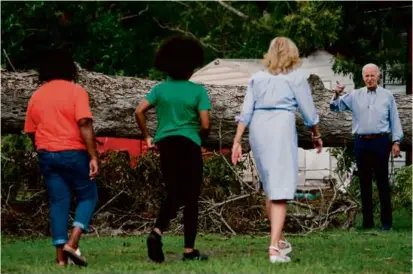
[53,112]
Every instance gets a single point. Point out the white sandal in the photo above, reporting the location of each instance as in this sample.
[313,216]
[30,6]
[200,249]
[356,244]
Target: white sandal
[70,261]
[281,258]
[287,249]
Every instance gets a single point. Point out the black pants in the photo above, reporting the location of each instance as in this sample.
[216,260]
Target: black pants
[372,155]
[182,167]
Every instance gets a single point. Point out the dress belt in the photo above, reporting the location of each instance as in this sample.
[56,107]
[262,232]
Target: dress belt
[371,136]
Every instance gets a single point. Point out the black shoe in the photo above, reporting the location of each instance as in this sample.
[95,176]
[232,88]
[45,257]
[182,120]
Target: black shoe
[154,244]
[195,255]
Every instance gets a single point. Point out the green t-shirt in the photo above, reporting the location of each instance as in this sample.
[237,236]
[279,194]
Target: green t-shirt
[177,106]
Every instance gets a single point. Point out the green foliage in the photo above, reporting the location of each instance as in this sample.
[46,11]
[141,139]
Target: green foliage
[157,75]
[314,25]
[402,188]
[221,177]
[95,31]
[17,170]
[373,37]
[121,37]
[109,47]
[15,143]
[345,159]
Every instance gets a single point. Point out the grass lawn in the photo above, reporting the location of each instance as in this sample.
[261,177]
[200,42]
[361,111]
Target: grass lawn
[332,251]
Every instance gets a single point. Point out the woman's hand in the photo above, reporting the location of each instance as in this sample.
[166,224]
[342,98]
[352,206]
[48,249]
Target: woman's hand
[93,168]
[236,153]
[150,144]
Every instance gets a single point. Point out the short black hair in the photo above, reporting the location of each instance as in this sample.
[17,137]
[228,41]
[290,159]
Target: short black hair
[179,56]
[57,64]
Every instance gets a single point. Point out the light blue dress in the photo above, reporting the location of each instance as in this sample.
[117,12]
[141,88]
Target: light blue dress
[269,111]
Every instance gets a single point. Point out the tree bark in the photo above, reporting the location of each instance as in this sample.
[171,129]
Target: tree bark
[114,99]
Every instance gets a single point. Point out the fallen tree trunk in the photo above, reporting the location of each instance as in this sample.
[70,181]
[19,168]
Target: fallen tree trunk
[114,99]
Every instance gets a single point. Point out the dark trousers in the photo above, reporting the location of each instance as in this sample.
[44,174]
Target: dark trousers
[372,156]
[182,167]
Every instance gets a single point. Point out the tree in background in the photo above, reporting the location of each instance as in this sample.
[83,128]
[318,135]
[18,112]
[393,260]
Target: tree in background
[374,32]
[121,37]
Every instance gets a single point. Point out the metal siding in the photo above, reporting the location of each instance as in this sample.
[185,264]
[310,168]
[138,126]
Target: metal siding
[238,71]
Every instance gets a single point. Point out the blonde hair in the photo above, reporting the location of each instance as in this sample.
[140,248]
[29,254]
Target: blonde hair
[282,56]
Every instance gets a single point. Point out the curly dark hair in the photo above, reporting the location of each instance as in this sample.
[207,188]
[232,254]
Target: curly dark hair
[57,64]
[179,56]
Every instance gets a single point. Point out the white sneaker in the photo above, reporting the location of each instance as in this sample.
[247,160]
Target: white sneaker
[280,258]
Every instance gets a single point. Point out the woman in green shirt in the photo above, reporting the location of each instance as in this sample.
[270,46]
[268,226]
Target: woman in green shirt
[182,109]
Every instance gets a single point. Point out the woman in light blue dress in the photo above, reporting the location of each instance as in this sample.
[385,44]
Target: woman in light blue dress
[269,107]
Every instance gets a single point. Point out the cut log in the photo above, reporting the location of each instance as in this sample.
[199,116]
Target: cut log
[114,99]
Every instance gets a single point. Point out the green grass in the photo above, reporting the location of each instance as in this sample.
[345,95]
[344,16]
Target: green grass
[333,251]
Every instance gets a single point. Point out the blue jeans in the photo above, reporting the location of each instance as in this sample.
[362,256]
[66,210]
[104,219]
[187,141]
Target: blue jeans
[62,172]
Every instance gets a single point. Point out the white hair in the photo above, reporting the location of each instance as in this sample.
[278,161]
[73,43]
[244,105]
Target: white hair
[371,65]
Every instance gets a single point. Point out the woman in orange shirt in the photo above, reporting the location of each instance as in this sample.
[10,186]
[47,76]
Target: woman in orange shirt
[60,124]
